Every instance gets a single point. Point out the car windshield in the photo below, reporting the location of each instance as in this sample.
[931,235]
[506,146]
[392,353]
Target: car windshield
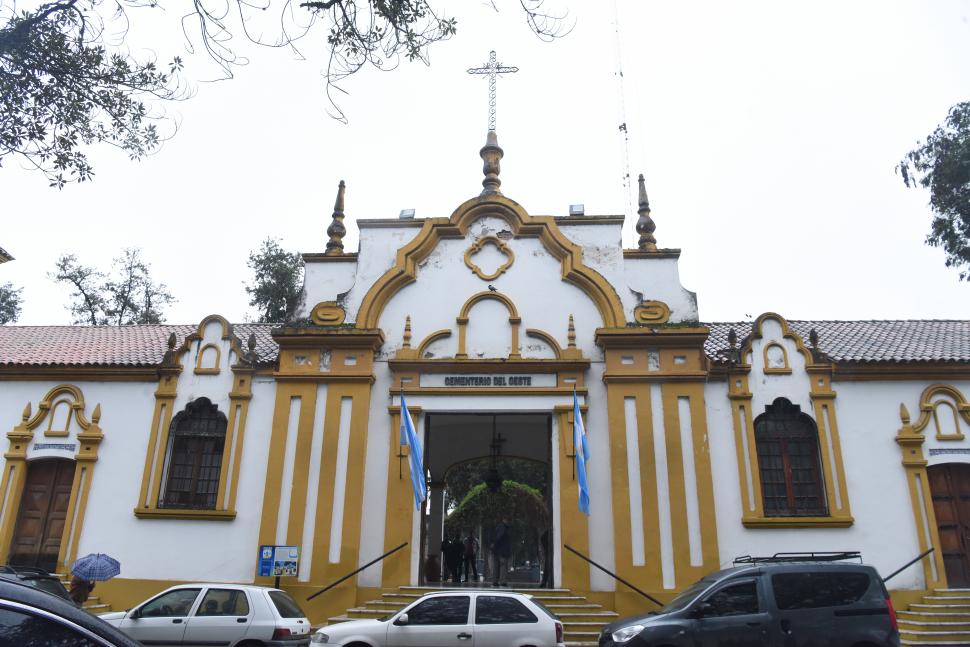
[48,584]
[287,606]
[687,596]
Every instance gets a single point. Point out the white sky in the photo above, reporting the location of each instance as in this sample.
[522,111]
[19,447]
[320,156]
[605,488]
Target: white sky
[768,132]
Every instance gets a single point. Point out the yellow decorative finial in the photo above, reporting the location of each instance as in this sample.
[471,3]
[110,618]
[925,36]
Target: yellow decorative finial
[336,230]
[903,413]
[96,414]
[645,225]
[407,331]
[26,413]
[572,333]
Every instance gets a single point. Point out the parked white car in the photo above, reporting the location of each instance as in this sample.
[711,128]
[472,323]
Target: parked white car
[480,618]
[216,614]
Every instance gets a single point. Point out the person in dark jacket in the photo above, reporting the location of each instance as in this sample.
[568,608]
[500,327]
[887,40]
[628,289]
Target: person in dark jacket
[452,554]
[501,550]
[80,590]
[471,557]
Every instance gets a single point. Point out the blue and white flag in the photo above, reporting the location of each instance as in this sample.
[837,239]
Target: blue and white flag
[581,450]
[409,437]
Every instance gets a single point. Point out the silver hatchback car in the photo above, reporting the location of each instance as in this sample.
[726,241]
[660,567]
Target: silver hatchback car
[483,618]
[216,614]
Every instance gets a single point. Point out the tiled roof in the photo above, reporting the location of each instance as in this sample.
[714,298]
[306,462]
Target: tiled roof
[108,345]
[843,341]
[926,340]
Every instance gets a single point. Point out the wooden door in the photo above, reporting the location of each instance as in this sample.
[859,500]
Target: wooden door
[43,509]
[950,487]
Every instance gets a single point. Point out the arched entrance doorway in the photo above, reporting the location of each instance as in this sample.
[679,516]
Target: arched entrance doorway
[487,468]
[42,514]
[950,488]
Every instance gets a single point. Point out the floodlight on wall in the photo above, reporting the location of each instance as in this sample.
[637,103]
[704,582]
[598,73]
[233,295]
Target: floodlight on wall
[407,213]
[577,209]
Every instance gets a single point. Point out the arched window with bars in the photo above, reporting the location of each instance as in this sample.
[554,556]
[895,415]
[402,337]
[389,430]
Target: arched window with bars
[792,483]
[194,458]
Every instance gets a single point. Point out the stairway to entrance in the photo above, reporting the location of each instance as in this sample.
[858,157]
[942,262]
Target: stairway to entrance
[940,619]
[582,620]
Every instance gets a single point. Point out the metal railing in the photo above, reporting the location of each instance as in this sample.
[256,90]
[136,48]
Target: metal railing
[613,575]
[350,575]
[907,564]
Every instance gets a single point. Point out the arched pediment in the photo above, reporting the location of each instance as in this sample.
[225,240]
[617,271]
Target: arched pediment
[521,225]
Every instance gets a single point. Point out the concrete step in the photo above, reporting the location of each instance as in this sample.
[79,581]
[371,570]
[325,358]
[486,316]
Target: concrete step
[582,644]
[962,598]
[928,625]
[581,636]
[935,643]
[97,608]
[930,616]
[941,607]
[939,634]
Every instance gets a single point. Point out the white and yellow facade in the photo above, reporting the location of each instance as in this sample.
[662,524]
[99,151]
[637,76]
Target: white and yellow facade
[312,408]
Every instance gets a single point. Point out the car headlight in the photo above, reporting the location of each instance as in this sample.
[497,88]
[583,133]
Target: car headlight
[320,638]
[626,633]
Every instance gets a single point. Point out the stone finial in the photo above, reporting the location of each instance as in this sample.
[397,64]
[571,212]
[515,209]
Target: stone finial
[96,414]
[26,414]
[169,358]
[407,331]
[645,224]
[813,339]
[572,333]
[336,230]
[251,342]
[903,413]
[491,154]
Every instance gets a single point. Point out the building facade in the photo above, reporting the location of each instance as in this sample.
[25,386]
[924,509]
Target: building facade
[180,450]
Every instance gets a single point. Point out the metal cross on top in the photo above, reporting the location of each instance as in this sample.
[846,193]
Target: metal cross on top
[493,68]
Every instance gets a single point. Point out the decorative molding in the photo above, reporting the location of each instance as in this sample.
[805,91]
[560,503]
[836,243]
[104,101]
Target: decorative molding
[929,410]
[328,313]
[784,369]
[652,312]
[478,246]
[514,322]
[522,225]
[208,370]
[15,467]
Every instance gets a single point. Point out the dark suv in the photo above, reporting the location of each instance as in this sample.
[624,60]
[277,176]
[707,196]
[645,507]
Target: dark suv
[770,604]
[37,578]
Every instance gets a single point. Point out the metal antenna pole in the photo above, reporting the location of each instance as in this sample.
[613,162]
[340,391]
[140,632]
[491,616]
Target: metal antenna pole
[492,69]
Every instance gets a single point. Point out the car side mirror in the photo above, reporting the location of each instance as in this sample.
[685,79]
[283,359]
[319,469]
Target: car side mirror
[402,619]
[135,614]
[703,609]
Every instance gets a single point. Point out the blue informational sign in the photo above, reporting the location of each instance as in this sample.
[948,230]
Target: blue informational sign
[279,561]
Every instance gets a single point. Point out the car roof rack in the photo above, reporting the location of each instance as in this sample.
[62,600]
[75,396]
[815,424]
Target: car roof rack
[23,570]
[825,556]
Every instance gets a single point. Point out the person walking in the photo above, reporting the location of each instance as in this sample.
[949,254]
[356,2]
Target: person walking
[471,557]
[80,590]
[453,554]
[501,549]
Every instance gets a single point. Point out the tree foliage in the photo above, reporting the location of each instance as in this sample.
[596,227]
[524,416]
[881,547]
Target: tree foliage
[61,89]
[127,295]
[9,303]
[277,280]
[942,165]
[68,80]
[462,478]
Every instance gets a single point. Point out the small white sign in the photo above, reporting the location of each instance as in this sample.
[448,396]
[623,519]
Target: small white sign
[497,381]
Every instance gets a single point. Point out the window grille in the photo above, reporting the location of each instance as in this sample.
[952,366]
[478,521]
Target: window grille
[196,441]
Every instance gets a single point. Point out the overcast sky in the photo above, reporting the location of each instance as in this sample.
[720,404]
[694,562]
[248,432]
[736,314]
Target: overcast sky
[768,133]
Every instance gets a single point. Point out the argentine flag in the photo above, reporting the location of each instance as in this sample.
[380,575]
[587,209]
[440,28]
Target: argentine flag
[581,450]
[409,437]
